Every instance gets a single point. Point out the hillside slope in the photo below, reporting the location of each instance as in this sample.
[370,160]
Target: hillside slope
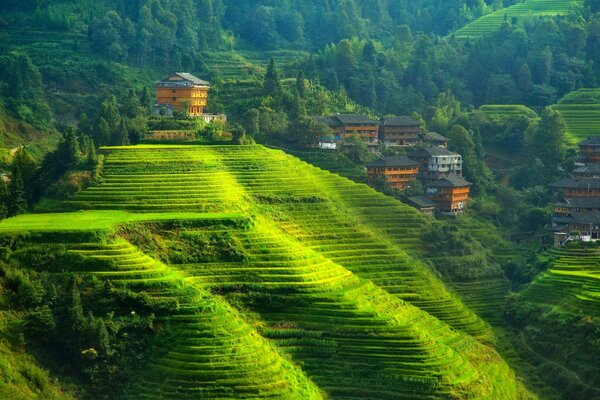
[319,273]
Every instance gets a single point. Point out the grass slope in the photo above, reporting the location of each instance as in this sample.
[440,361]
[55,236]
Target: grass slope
[529,8]
[581,111]
[508,110]
[319,287]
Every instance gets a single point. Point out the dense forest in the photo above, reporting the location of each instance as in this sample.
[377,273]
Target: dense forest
[77,75]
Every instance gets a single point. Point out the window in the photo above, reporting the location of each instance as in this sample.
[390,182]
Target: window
[173,90]
[174,98]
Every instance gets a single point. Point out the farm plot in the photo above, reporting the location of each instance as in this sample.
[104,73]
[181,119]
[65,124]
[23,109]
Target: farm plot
[324,270]
[529,8]
[508,110]
[581,112]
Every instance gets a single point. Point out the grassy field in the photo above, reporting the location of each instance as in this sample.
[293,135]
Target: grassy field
[321,294]
[581,111]
[527,9]
[97,220]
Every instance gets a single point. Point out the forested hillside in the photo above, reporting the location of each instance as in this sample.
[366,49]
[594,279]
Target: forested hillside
[219,268]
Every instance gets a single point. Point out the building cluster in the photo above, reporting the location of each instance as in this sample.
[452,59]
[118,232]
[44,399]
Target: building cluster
[427,159]
[577,215]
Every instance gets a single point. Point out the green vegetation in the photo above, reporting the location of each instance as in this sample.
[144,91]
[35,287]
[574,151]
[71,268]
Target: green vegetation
[558,314]
[527,9]
[323,286]
[508,110]
[581,111]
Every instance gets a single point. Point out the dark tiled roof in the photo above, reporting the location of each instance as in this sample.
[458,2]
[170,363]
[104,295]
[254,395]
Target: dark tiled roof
[355,119]
[588,169]
[451,181]
[580,202]
[591,141]
[399,121]
[422,202]
[431,151]
[329,121]
[589,218]
[188,80]
[401,161]
[436,137]
[571,183]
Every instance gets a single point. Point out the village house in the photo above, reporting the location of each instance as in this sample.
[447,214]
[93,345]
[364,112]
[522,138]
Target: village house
[183,92]
[591,171]
[345,125]
[399,131]
[451,194]
[583,187]
[589,150]
[437,163]
[434,139]
[423,204]
[398,172]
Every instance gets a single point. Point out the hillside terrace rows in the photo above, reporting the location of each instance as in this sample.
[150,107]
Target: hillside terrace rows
[214,354]
[528,9]
[581,112]
[316,242]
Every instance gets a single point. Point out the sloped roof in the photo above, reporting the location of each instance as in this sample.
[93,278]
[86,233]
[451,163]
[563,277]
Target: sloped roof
[399,121]
[591,141]
[355,119]
[431,151]
[328,120]
[580,202]
[572,183]
[452,182]
[582,219]
[588,169]
[396,161]
[187,80]
[422,202]
[436,137]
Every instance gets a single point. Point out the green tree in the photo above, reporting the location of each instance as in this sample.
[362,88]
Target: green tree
[301,84]
[4,197]
[251,122]
[271,84]
[356,149]
[17,199]
[474,168]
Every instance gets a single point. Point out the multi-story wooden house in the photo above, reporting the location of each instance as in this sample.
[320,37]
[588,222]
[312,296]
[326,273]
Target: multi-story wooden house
[590,150]
[591,171]
[345,125]
[183,92]
[584,187]
[399,131]
[437,163]
[398,172]
[451,194]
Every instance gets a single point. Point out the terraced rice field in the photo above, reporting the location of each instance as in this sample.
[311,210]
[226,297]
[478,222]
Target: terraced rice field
[567,296]
[318,295]
[527,9]
[581,111]
[508,110]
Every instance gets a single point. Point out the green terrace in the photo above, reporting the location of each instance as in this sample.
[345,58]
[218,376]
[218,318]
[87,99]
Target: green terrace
[508,110]
[290,282]
[581,112]
[526,9]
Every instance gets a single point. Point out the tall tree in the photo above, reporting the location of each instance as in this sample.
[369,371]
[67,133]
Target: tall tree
[17,200]
[271,84]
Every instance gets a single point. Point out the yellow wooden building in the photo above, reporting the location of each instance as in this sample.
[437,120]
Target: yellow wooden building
[183,90]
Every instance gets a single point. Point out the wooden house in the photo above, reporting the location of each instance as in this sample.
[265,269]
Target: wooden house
[183,92]
[398,172]
[399,131]
[590,150]
[345,125]
[585,187]
[423,204]
[451,194]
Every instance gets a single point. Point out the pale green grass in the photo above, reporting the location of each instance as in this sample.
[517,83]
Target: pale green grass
[97,220]
[581,112]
